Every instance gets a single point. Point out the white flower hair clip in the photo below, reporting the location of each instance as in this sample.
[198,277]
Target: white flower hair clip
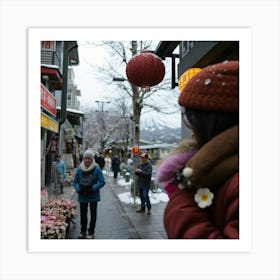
[203,197]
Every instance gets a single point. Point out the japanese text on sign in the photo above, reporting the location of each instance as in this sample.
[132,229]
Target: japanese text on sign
[48,101]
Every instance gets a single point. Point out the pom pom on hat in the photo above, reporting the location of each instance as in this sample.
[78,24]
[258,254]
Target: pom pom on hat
[214,88]
[89,153]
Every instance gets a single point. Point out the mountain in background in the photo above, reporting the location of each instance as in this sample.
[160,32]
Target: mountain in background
[156,131]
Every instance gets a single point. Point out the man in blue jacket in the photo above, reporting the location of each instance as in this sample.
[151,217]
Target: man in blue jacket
[144,175]
[87,183]
[60,172]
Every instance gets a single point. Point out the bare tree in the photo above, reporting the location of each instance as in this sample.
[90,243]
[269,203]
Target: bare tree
[121,52]
[102,126]
[124,131]
[98,128]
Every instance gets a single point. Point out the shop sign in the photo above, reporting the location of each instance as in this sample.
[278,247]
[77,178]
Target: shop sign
[185,77]
[49,123]
[48,45]
[48,101]
[186,47]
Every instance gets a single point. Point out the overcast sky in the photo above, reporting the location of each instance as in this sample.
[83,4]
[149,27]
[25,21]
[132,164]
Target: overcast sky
[92,89]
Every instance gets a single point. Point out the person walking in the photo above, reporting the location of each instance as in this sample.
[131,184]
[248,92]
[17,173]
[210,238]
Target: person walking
[100,160]
[144,175]
[108,163]
[87,183]
[60,173]
[205,202]
[116,166]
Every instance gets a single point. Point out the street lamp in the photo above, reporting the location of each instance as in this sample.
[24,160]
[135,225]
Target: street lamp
[66,52]
[102,104]
[119,79]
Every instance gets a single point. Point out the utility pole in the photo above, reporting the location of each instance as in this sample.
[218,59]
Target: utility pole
[102,104]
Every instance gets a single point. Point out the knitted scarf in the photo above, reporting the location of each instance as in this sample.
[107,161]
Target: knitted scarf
[217,160]
[89,168]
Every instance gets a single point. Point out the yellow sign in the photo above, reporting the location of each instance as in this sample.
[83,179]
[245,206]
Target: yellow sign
[185,77]
[49,123]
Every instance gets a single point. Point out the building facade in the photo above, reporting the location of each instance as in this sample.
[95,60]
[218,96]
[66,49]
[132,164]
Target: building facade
[55,67]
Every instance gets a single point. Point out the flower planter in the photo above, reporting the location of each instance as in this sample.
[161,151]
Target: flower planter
[56,217]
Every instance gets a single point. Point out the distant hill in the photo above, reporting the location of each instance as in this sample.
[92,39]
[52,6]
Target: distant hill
[157,132]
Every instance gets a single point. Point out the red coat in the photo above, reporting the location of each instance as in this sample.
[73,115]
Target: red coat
[214,166]
[184,219]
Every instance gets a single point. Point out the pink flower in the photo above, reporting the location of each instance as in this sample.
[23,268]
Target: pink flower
[53,218]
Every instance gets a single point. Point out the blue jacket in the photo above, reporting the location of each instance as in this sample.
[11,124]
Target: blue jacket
[60,167]
[98,182]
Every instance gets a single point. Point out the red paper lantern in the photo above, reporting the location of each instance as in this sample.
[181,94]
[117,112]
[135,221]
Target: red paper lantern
[145,70]
[135,150]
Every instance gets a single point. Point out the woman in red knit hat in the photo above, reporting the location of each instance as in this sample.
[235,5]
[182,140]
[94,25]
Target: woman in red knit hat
[205,204]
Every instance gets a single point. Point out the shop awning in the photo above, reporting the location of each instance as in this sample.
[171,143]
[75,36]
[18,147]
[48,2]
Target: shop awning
[72,115]
[52,72]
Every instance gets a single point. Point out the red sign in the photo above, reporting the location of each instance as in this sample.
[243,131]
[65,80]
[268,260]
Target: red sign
[135,150]
[48,101]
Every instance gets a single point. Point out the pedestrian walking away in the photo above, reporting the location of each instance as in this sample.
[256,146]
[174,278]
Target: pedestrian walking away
[87,183]
[116,166]
[202,178]
[60,173]
[144,175]
[108,163]
[100,160]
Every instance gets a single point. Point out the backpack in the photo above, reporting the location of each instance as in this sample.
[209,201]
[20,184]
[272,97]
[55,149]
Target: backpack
[86,182]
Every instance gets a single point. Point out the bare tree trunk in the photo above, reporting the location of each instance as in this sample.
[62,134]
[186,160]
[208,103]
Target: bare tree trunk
[136,101]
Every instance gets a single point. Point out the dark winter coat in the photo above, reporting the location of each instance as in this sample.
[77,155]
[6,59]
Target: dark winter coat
[100,161]
[144,177]
[116,164]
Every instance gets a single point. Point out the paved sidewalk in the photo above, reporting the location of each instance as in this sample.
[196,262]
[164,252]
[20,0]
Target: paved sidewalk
[148,227]
[116,219]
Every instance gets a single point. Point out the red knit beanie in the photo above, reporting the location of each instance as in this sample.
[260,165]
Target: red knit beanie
[214,88]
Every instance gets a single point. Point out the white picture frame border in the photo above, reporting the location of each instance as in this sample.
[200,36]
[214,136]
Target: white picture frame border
[241,34]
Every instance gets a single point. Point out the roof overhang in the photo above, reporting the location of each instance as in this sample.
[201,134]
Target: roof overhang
[165,48]
[73,54]
[54,76]
[73,116]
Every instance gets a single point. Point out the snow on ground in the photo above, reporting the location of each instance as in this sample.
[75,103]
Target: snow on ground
[127,197]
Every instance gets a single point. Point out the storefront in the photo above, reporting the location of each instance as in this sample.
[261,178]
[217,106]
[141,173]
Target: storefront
[49,129]
[71,137]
